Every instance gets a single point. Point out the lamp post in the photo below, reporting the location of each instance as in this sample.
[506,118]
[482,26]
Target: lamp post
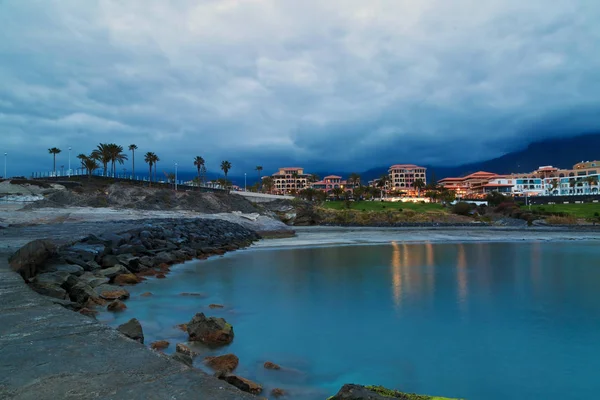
[244,181]
[5,156]
[69,172]
[176,177]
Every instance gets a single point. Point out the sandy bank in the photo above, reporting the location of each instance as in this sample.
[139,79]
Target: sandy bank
[331,236]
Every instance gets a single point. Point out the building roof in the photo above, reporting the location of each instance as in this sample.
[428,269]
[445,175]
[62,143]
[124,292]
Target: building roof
[332,177]
[397,166]
[497,185]
[290,168]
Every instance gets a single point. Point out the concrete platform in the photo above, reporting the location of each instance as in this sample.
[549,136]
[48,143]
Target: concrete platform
[49,352]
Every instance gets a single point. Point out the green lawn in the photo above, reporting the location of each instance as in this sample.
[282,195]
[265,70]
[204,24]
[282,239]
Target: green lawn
[584,210]
[383,206]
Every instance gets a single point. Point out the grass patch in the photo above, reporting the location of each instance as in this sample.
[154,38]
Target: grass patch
[383,206]
[583,210]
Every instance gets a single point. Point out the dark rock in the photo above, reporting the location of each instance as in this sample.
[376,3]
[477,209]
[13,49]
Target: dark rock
[277,392]
[146,294]
[109,260]
[212,331]
[93,280]
[159,345]
[130,262]
[81,293]
[110,292]
[147,261]
[133,330]
[359,392]
[225,363]
[270,365]
[113,271]
[68,268]
[75,260]
[215,306]
[51,278]
[183,358]
[112,239]
[243,384]
[164,258]
[116,305]
[87,251]
[30,257]
[145,235]
[92,266]
[50,290]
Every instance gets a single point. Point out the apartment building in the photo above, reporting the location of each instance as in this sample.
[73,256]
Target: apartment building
[403,176]
[289,179]
[470,185]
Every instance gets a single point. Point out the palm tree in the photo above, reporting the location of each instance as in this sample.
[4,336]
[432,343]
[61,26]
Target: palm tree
[102,153]
[382,182]
[354,179]
[133,148]
[337,192]
[553,185]
[199,163]
[418,184]
[116,155]
[156,160]
[591,181]
[90,165]
[314,178]
[82,158]
[54,151]
[573,184]
[149,159]
[258,169]
[267,184]
[225,166]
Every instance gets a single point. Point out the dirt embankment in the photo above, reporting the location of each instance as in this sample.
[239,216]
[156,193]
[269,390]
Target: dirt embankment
[141,198]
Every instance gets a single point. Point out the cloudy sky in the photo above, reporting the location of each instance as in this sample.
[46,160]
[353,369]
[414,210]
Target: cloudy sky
[335,84]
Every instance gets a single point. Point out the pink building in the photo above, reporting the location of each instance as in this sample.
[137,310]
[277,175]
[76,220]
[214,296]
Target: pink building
[402,177]
[330,182]
[289,179]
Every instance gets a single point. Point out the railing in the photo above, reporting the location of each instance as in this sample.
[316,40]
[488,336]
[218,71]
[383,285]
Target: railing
[78,175]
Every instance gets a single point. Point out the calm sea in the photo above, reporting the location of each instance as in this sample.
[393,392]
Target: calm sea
[489,321]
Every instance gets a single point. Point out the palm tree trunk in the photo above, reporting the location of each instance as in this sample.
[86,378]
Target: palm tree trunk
[132,164]
[150,175]
[54,164]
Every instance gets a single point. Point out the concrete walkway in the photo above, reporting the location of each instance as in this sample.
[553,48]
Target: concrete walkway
[49,352]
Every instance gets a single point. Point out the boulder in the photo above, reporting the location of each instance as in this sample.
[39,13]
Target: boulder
[30,257]
[243,384]
[215,306]
[110,292]
[164,258]
[68,268]
[160,276]
[277,392]
[93,280]
[130,262]
[270,365]
[92,266]
[159,345]
[76,260]
[109,260]
[211,331]
[183,358]
[51,278]
[359,392]
[225,363]
[146,294]
[81,293]
[133,330]
[183,349]
[182,327]
[69,305]
[50,290]
[126,279]
[116,305]
[113,271]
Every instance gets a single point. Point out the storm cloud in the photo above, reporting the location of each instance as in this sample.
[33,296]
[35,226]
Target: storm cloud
[336,84]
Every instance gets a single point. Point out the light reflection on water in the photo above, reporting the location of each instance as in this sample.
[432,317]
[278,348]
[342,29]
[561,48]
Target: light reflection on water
[475,320]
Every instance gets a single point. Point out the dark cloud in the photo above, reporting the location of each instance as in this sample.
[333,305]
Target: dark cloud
[339,85]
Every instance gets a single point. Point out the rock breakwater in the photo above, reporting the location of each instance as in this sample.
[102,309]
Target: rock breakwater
[96,270]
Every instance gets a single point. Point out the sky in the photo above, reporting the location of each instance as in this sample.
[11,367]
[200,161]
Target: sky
[341,85]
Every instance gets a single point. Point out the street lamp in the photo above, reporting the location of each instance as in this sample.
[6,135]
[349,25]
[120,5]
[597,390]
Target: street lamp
[244,181]
[5,156]
[69,172]
[175,176]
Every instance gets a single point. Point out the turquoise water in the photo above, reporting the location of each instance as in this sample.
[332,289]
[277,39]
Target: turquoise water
[477,321]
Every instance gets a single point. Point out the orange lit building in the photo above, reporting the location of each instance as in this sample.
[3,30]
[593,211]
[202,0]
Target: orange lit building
[289,179]
[330,182]
[403,176]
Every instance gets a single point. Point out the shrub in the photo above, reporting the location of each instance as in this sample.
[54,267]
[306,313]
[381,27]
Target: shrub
[462,208]
[561,220]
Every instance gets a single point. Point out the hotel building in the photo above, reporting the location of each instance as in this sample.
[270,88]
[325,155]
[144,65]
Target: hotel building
[402,177]
[289,179]
[545,181]
[330,182]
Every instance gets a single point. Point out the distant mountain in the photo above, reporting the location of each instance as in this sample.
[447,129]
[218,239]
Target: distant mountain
[562,153]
